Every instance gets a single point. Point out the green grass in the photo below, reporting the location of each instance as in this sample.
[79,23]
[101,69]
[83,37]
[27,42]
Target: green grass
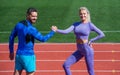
[62,13]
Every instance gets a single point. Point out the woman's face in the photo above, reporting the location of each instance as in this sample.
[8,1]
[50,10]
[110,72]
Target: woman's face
[83,15]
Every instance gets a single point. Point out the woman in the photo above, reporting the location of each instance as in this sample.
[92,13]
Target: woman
[82,31]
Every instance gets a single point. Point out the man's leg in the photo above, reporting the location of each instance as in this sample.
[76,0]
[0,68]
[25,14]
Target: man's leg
[16,72]
[30,73]
[30,64]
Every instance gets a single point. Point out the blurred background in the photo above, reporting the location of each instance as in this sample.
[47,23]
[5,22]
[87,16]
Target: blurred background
[62,13]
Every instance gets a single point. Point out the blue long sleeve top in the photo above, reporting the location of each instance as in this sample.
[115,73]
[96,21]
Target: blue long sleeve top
[26,35]
[82,31]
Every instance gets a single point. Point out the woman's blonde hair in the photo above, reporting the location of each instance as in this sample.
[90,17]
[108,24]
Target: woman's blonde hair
[84,8]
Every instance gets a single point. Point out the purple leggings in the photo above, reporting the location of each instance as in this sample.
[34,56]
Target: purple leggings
[85,51]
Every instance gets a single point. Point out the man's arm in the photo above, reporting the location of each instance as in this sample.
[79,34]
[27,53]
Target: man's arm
[11,43]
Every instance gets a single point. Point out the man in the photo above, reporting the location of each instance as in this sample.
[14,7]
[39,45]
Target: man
[25,58]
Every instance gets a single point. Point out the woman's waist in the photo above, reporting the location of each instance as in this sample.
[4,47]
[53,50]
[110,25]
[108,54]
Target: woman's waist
[81,41]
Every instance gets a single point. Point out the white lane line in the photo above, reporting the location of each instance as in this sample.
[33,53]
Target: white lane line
[63,60]
[64,44]
[81,60]
[113,71]
[38,51]
[74,51]
[106,31]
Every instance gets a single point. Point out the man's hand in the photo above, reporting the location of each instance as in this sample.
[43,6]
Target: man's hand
[54,28]
[11,56]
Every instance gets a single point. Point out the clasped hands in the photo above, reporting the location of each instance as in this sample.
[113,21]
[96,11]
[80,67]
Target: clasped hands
[54,28]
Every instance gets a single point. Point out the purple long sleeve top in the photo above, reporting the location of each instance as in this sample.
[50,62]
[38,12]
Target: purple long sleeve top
[82,31]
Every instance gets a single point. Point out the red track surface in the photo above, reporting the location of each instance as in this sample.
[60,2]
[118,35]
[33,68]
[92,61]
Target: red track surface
[51,56]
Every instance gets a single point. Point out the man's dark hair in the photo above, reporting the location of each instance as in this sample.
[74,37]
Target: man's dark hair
[31,9]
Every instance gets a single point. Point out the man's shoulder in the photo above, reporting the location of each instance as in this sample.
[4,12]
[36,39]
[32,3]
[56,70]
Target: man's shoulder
[24,22]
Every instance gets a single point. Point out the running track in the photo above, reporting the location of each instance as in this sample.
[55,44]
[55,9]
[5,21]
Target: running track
[50,57]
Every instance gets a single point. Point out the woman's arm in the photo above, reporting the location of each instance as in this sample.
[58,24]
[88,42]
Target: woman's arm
[98,31]
[66,31]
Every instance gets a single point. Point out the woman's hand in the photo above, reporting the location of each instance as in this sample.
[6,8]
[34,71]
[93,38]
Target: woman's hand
[90,43]
[54,28]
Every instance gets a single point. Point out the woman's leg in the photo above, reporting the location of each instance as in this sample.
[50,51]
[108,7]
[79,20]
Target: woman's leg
[76,56]
[89,58]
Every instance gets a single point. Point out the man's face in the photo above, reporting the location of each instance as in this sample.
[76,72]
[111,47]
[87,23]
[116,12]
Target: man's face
[32,17]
